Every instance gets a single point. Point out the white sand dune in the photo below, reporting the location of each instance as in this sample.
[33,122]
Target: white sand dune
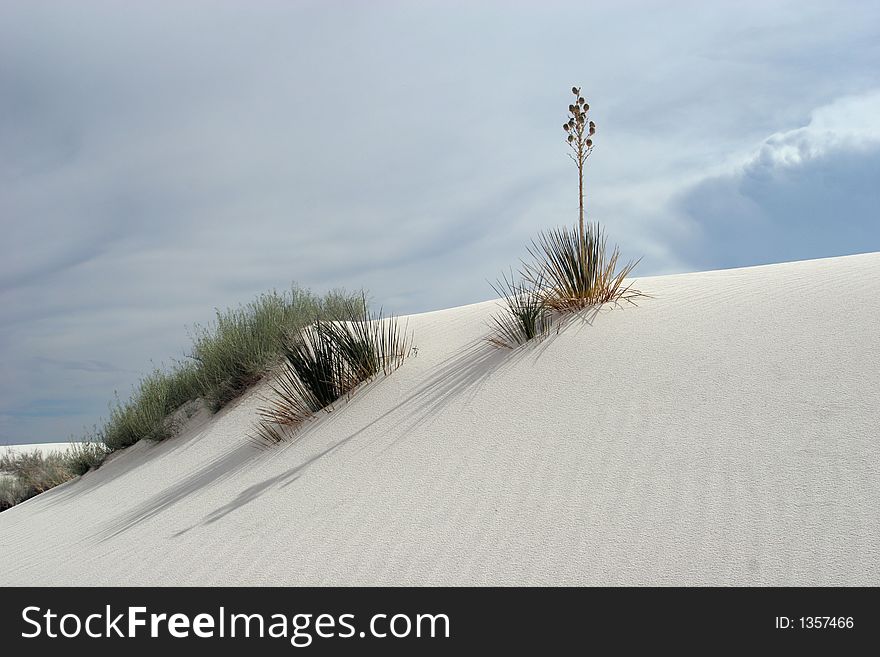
[725,431]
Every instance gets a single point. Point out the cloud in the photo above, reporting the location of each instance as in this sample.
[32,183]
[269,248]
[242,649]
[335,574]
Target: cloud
[805,193]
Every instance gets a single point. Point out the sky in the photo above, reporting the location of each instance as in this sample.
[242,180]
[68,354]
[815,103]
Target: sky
[159,160]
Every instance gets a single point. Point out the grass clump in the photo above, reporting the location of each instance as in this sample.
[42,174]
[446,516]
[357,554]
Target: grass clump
[37,472]
[526,315]
[147,414]
[326,361]
[82,457]
[242,343]
[24,475]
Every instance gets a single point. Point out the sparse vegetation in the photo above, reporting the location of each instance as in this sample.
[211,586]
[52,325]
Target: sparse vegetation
[82,457]
[325,347]
[570,269]
[326,361]
[227,357]
[26,474]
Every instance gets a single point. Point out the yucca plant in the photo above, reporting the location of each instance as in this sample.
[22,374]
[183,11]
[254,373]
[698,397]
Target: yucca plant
[525,315]
[576,265]
[573,270]
[368,344]
[570,269]
[326,362]
[289,405]
[318,365]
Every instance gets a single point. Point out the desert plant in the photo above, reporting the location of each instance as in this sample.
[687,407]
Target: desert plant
[572,273]
[525,314]
[318,366]
[327,361]
[570,269]
[227,357]
[578,267]
[368,344]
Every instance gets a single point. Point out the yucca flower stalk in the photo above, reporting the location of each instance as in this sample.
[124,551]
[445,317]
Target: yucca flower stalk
[580,130]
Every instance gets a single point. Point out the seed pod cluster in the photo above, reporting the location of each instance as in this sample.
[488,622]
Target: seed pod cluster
[579,126]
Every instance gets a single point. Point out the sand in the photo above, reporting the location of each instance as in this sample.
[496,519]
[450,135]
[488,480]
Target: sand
[723,431]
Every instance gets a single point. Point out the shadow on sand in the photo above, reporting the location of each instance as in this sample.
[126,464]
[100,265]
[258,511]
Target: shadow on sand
[211,473]
[461,374]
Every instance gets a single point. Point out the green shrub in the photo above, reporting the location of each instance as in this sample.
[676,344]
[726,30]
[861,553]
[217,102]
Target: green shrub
[327,361]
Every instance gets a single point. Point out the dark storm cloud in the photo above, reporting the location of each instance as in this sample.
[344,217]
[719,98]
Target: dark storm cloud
[823,207]
[811,192]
